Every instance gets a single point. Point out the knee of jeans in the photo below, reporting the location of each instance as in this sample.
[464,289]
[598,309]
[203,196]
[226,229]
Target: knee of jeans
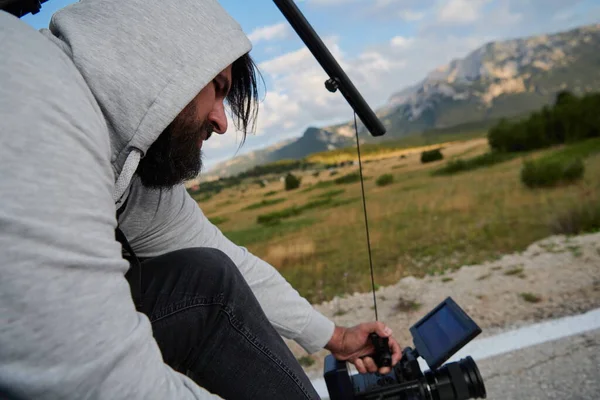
[214,262]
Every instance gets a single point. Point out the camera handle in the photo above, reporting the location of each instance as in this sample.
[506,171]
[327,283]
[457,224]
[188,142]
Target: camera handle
[383,355]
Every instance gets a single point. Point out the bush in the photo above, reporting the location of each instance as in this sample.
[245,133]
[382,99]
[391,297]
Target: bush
[263,203]
[484,160]
[291,182]
[349,178]
[431,156]
[330,193]
[384,179]
[579,219]
[218,220]
[548,172]
[276,217]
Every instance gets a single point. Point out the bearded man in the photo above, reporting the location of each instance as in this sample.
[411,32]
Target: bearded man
[114,285]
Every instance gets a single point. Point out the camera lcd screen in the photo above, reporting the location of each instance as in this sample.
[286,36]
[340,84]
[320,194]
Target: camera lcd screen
[442,332]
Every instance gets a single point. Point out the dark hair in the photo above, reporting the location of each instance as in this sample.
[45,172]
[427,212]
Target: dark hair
[243,94]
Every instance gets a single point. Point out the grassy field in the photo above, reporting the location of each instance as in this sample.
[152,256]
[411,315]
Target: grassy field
[420,224]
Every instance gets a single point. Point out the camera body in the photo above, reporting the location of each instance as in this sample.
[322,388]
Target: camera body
[437,336]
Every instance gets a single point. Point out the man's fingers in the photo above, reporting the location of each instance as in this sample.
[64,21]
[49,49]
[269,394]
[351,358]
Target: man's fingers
[378,327]
[369,363]
[360,366]
[384,370]
[396,352]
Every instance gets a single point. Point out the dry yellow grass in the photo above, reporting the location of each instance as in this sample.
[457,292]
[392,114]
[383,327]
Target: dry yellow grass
[419,224]
[291,252]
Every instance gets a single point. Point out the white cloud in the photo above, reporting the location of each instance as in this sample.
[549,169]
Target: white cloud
[401,41]
[277,109]
[411,16]
[271,32]
[286,62]
[296,96]
[460,11]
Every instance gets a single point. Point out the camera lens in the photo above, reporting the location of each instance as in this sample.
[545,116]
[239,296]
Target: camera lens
[456,381]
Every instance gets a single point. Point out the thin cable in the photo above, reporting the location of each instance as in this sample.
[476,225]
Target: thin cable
[362,185]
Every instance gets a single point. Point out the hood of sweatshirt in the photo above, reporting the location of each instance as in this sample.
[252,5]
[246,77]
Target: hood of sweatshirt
[144,61]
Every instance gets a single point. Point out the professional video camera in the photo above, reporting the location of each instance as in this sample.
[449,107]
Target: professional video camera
[436,337]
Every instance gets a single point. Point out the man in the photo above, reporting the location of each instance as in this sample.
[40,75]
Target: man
[102,118]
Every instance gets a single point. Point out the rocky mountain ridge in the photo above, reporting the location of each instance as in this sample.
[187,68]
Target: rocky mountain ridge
[499,79]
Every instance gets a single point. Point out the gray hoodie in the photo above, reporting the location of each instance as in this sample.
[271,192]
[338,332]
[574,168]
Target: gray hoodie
[80,103]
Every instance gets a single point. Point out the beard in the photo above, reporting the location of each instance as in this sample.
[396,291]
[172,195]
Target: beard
[175,156]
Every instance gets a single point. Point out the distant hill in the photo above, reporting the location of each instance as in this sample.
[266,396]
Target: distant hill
[313,140]
[499,79]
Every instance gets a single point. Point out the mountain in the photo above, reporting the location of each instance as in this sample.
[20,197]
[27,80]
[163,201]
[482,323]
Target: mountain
[500,79]
[313,140]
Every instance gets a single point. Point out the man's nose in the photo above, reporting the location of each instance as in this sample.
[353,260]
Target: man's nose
[218,118]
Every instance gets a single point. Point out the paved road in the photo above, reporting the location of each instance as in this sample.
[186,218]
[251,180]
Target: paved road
[565,369]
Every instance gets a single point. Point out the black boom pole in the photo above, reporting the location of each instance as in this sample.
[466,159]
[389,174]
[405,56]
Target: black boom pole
[337,77]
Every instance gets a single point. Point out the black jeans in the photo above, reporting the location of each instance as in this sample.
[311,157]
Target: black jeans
[210,327]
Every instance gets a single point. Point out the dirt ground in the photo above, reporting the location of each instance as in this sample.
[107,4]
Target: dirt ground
[554,277]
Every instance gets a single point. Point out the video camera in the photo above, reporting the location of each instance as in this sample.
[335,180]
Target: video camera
[436,337]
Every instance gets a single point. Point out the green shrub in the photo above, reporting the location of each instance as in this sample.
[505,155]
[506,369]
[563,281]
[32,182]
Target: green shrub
[484,160]
[316,204]
[291,182]
[530,297]
[548,172]
[306,361]
[276,216]
[582,218]
[330,193]
[384,179]
[349,178]
[218,220]
[431,156]
[270,193]
[263,203]
[318,185]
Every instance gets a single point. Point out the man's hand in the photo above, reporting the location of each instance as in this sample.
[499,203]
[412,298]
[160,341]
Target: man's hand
[353,345]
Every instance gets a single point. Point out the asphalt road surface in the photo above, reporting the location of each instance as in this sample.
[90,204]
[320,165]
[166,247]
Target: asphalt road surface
[565,369]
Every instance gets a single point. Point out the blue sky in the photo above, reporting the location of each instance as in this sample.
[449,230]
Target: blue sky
[383,45]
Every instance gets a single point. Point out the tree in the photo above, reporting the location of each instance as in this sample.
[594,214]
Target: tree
[291,182]
[564,97]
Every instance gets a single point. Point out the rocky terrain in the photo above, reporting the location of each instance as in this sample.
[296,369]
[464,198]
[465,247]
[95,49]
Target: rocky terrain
[554,277]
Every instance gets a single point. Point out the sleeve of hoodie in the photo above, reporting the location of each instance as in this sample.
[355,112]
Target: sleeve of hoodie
[68,326]
[159,221]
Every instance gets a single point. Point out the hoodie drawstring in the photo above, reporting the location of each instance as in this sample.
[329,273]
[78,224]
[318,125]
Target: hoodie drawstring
[131,164]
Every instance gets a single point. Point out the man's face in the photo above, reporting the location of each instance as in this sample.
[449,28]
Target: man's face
[176,155]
